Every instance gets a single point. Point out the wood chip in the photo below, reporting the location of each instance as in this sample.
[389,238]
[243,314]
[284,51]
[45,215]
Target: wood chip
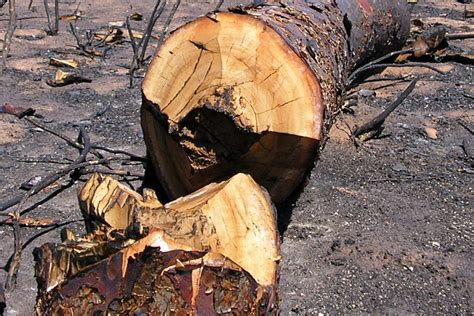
[71,63]
[431,132]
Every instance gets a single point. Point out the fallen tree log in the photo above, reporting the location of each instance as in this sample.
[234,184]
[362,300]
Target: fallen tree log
[254,90]
[215,251]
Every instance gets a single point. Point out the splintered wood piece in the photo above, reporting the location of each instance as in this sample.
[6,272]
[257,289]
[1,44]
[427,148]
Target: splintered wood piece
[235,218]
[254,91]
[214,251]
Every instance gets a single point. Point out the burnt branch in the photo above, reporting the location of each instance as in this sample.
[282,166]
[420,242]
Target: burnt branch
[378,121]
[13,271]
[139,48]
[219,5]
[52,28]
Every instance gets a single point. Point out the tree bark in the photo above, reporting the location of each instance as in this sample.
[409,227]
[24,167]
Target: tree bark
[254,90]
[214,251]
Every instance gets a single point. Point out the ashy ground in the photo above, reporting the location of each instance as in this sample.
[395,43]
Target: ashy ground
[383,228]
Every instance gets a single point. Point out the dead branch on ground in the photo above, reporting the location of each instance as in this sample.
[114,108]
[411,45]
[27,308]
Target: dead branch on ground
[12,273]
[374,126]
[8,34]
[84,147]
[354,76]
[88,47]
[461,35]
[22,113]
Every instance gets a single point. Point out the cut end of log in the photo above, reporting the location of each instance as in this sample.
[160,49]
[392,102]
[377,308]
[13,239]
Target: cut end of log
[237,65]
[224,91]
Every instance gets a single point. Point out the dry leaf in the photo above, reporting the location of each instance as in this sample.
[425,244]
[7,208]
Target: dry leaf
[72,63]
[420,47]
[431,132]
[136,16]
[117,24]
[69,17]
[63,78]
[112,36]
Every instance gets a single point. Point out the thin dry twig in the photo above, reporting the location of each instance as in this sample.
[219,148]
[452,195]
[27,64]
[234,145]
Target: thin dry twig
[15,264]
[53,178]
[56,17]
[122,173]
[378,121]
[367,66]
[219,5]
[139,48]
[8,34]
[77,145]
[375,66]
[52,29]
[167,24]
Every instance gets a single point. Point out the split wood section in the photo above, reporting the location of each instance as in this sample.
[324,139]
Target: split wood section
[212,252]
[254,91]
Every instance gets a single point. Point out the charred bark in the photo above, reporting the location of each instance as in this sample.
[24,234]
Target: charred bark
[255,90]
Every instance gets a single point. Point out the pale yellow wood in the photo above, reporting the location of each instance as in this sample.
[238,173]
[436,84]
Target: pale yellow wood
[234,218]
[269,80]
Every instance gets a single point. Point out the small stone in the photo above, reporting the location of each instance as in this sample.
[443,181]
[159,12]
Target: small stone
[365,93]
[399,167]
[31,183]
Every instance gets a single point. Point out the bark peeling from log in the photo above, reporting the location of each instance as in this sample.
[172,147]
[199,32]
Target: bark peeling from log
[157,282]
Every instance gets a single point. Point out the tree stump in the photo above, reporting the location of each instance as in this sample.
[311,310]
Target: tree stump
[254,90]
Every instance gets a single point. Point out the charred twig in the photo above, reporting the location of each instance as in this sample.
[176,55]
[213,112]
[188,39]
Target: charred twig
[2,299]
[369,65]
[56,16]
[467,128]
[53,178]
[139,48]
[52,29]
[87,48]
[12,273]
[79,146]
[219,5]
[123,173]
[167,25]
[396,65]
[23,114]
[44,161]
[8,34]
[24,18]
[133,157]
[377,122]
